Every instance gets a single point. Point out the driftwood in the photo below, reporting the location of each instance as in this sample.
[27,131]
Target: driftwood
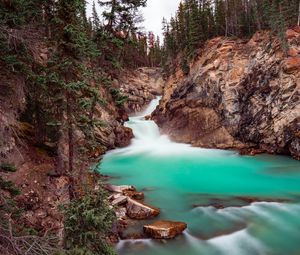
[11,244]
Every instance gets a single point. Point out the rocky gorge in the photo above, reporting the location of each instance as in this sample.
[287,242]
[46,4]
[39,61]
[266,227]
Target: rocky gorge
[239,94]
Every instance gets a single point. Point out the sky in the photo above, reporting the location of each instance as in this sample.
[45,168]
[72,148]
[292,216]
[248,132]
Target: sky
[153,13]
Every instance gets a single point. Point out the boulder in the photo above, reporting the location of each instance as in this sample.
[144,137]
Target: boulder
[164,229]
[140,211]
[119,189]
[123,136]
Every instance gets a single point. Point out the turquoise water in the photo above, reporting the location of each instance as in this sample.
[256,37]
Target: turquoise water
[184,182]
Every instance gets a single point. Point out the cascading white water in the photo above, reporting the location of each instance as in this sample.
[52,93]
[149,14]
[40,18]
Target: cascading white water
[144,130]
[147,137]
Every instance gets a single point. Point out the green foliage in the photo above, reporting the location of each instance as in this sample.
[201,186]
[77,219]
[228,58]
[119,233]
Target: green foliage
[8,185]
[185,66]
[8,190]
[118,96]
[87,222]
[7,167]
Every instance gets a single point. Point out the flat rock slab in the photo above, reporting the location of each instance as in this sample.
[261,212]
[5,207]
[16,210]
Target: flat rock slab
[119,189]
[164,229]
[119,201]
[140,211]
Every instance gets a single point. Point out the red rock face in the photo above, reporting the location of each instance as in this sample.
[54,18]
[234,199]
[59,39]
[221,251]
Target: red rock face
[237,95]
[292,65]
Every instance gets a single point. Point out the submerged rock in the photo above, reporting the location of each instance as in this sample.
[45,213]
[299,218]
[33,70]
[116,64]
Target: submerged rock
[165,229]
[140,211]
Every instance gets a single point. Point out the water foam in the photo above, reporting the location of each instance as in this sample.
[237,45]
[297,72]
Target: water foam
[237,243]
[122,243]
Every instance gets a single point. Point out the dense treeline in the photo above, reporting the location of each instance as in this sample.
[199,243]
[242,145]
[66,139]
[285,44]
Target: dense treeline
[63,88]
[199,20]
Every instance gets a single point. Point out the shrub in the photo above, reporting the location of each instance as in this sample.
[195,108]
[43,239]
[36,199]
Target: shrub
[87,223]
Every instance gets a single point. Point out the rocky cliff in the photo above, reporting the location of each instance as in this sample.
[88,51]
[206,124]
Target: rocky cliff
[239,94]
[140,86]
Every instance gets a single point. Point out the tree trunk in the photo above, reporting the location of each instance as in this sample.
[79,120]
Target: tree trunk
[226,18]
[71,148]
[299,15]
[70,134]
[257,16]
[112,16]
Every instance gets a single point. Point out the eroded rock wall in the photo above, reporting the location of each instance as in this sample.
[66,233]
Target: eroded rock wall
[141,86]
[238,94]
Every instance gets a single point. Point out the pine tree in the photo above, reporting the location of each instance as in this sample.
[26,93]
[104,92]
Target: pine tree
[95,18]
[182,26]
[120,14]
[195,32]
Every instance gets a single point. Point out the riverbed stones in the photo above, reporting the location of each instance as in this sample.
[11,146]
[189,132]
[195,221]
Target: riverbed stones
[140,211]
[164,229]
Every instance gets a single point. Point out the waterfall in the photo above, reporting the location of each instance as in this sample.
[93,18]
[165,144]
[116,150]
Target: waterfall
[148,139]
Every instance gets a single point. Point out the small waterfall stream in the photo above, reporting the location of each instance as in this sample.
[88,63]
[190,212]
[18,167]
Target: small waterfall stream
[207,189]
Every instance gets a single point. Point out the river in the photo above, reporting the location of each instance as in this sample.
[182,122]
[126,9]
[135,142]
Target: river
[232,204]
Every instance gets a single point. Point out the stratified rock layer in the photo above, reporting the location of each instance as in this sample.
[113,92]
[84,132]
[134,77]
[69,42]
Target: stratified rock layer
[164,229]
[238,94]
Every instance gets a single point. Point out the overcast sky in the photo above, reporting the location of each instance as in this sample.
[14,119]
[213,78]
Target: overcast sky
[153,13]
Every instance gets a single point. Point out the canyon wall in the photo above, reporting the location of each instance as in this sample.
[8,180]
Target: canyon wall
[140,86]
[239,94]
